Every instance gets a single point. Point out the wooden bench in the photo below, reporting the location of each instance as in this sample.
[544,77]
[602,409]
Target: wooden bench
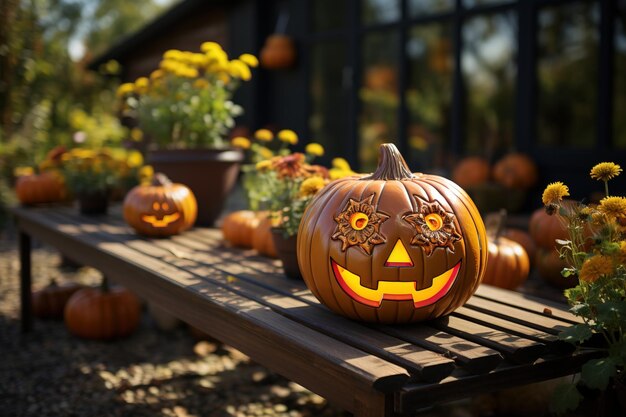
[498,339]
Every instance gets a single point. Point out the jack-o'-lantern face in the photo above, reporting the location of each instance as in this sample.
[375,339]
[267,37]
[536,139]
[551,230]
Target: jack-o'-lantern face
[161,215]
[392,250]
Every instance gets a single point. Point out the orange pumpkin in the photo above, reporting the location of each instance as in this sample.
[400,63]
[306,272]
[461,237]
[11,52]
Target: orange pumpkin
[279,52]
[49,302]
[47,187]
[393,246]
[161,208]
[516,170]
[471,171]
[262,240]
[508,264]
[239,227]
[102,313]
[549,265]
[523,238]
[545,229]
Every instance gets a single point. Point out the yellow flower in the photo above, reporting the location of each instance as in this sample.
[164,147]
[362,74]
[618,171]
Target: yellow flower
[224,78]
[314,149]
[141,85]
[554,193]
[200,83]
[136,134]
[210,46]
[264,135]
[311,186]
[288,136]
[265,153]
[263,165]
[336,173]
[239,69]
[125,89]
[146,172]
[621,255]
[173,54]
[249,59]
[341,163]
[23,171]
[605,171]
[613,207]
[134,159]
[595,267]
[157,74]
[241,142]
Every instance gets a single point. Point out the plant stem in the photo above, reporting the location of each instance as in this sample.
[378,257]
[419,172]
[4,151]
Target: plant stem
[606,188]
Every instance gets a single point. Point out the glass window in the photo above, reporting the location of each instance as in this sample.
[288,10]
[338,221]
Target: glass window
[328,119]
[429,94]
[424,7]
[329,14]
[380,11]
[567,75]
[619,112]
[378,121]
[489,71]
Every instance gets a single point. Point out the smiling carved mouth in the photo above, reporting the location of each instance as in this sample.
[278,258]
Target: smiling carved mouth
[166,220]
[395,290]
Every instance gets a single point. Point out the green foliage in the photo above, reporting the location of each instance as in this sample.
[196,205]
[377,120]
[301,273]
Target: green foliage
[597,372]
[576,334]
[565,398]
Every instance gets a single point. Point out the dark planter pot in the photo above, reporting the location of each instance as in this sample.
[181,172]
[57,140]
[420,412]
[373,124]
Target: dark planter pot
[286,248]
[211,175]
[92,204]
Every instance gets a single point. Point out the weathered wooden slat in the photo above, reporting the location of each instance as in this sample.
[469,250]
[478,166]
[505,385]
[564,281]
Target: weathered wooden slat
[526,318]
[528,302]
[514,348]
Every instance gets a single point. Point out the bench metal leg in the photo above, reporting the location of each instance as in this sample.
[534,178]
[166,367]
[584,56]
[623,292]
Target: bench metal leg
[25,282]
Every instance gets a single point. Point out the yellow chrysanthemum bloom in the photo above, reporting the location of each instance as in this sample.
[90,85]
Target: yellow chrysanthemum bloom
[146,173]
[141,85]
[264,135]
[173,54]
[341,163]
[157,74]
[210,46]
[125,89]
[311,186]
[136,134]
[23,171]
[595,267]
[288,136]
[200,83]
[265,153]
[262,166]
[241,142]
[249,59]
[613,207]
[134,159]
[554,193]
[314,149]
[238,69]
[605,171]
[337,173]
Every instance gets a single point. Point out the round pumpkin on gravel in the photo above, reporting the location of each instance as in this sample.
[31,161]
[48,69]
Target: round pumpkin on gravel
[49,302]
[394,246]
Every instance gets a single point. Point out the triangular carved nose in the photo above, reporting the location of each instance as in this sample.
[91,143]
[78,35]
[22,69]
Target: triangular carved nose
[399,256]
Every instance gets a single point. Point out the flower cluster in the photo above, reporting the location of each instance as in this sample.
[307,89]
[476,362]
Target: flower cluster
[283,181]
[595,252]
[187,101]
[100,171]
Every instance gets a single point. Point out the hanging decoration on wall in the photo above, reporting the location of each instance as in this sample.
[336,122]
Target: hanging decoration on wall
[279,51]
[392,247]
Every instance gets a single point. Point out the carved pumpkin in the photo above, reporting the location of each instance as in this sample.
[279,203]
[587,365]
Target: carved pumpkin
[262,240]
[279,52]
[161,208]
[471,171]
[239,227]
[49,302]
[102,313]
[393,246]
[516,170]
[47,187]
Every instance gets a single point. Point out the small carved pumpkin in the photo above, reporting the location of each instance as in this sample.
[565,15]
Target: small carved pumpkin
[47,187]
[279,52]
[49,302]
[102,313]
[161,208]
[239,227]
[393,246]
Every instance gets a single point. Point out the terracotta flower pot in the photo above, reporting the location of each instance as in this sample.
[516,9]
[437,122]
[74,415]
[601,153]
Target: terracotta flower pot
[287,253]
[210,173]
[93,203]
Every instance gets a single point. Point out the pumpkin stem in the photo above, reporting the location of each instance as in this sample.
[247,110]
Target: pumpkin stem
[391,165]
[104,285]
[160,179]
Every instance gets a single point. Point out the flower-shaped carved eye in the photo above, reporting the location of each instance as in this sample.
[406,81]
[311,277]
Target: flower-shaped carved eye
[358,224]
[435,227]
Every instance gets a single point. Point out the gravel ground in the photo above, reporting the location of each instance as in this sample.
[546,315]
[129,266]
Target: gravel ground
[152,373]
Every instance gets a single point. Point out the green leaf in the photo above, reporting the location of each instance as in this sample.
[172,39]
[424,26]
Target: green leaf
[576,334]
[565,398]
[567,272]
[581,309]
[611,312]
[597,372]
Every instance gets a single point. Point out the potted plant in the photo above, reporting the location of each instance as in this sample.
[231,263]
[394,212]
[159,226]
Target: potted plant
[186,110]
[595,254]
